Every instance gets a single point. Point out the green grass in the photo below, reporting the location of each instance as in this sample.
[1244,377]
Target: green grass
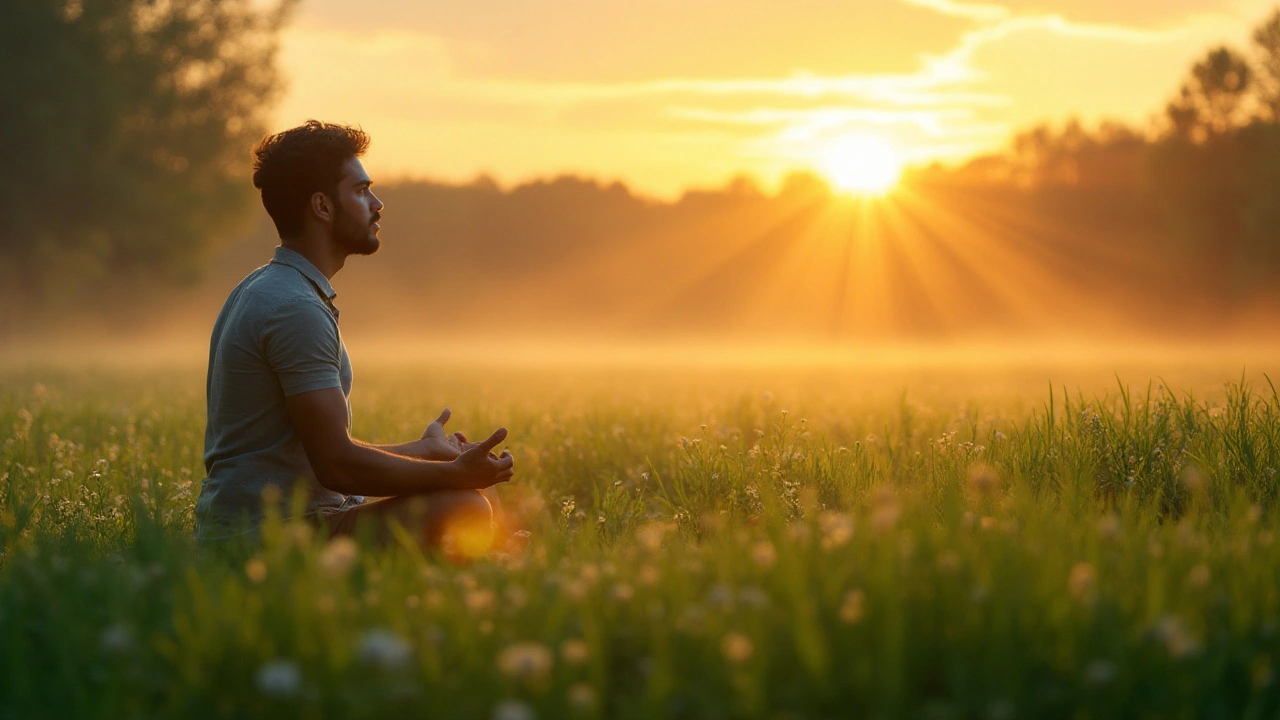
[705,543]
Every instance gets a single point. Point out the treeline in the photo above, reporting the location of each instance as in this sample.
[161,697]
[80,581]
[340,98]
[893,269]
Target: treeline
[943,257]
[1168,229]
[1205,175]
[1165,229]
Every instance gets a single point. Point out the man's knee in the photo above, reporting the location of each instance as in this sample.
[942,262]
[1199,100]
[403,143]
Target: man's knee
[441,504]
[463,521]
[468,504]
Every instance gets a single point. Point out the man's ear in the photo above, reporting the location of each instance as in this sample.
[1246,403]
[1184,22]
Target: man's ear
[322,207]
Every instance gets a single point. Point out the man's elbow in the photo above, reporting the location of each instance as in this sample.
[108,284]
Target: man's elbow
[335,470]
[337,482]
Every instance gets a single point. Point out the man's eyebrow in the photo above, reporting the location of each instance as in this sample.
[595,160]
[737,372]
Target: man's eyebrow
[364,183]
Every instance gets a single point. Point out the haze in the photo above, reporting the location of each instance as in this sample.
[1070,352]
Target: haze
[616,173]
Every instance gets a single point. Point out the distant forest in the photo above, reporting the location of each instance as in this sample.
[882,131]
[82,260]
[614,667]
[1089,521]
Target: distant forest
[1163,230]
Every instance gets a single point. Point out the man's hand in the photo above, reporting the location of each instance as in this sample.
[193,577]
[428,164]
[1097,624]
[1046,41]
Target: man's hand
[351,467]
[479,468]
[438,445]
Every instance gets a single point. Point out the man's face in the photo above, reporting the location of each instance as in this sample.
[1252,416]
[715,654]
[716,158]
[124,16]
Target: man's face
[355,219]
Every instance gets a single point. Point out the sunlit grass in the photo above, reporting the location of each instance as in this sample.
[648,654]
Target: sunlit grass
[704,543]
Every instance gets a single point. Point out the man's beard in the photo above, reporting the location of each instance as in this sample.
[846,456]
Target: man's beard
[354,237]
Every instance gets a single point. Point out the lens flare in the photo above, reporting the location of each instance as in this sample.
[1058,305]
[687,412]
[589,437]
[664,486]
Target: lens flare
[467,538]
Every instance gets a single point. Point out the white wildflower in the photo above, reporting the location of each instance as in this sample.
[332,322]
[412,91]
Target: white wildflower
[116,639]
[513,710]
[279,678]
[1099,673]
[384,649]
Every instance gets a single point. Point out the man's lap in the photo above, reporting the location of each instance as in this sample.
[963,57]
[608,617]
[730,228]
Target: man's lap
[428,516]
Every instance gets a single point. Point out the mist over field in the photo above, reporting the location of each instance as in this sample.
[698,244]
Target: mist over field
[1073,237]
[572,260]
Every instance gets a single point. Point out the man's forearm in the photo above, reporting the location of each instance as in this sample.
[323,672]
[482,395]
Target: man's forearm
[416,449]
[347,466]
[372,470]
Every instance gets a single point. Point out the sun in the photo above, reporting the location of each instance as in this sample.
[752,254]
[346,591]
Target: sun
[863,165]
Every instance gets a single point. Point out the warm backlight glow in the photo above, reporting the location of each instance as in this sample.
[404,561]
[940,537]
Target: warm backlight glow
[863,164]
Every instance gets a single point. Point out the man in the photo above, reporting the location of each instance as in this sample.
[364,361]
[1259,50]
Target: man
[279,376]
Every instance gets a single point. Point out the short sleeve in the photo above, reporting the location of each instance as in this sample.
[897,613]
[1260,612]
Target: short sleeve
[301,344]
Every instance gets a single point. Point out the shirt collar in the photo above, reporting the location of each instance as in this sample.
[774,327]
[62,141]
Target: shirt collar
[295,260]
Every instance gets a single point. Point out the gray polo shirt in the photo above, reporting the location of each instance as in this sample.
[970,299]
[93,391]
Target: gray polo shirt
[277,336]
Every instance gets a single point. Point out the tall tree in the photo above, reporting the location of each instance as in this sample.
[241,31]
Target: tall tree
[125,138]
[1214,98]
[1266,45]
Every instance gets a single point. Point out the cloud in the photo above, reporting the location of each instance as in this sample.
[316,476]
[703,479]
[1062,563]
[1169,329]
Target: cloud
[958,63]
[406,68]
[982,69]
[404,58]
[1128,15]
[924,88]
[1134,13]
[971,11]
[933,122]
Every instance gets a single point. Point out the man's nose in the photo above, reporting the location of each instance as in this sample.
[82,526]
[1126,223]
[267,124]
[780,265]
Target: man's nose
[377,204]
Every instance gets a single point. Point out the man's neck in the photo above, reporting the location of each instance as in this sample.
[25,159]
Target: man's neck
[320,252]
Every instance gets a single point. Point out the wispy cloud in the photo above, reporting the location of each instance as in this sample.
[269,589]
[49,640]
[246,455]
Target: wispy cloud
[927,88]
[942,80]
[997,22]
[961,96]
[972,11]
[1058,25]
[930,122]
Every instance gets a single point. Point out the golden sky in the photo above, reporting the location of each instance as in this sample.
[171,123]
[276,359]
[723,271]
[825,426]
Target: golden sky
[668,94]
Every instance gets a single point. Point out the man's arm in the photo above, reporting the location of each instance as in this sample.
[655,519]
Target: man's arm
[435,443]
[350,467]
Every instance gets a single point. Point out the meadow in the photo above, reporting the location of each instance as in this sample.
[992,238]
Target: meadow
[891,540]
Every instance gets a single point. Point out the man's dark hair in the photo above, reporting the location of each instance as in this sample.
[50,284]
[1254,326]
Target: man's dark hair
[290,166]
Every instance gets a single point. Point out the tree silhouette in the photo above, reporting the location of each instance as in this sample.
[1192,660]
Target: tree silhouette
[126,130]
[1266,45]
[1214,98]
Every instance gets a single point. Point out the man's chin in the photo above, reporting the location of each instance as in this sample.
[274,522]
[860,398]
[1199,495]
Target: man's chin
[369,247]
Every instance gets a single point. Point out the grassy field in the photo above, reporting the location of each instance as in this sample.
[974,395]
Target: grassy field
[968,541]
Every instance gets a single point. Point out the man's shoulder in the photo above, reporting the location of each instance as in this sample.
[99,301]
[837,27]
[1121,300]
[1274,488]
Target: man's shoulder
[276,280]
[273,292]
[272,287]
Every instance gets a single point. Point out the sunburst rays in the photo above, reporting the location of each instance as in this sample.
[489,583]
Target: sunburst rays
[917,263]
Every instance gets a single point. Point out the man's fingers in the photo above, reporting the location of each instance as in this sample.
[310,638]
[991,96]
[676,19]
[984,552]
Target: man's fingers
[444,416]
[506,462]
[491,442]
[461,438]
